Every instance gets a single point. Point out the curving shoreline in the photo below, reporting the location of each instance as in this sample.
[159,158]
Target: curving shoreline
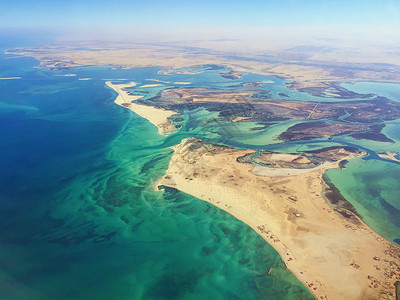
[157,116]
[334,256]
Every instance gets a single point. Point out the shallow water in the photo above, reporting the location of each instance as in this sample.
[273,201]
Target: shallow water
[388,90]
[372,187]
[80,216]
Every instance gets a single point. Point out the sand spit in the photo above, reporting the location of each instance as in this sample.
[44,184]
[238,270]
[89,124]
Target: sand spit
[151,85]
[182,82]
[157,80]
[158,117]
[389,155]
[334,256]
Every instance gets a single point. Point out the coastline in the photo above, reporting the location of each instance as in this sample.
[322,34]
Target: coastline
[323,249]
[157,116]
[301,71]
[389,155]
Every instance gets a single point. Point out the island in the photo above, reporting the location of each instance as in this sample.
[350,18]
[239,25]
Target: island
[358,118]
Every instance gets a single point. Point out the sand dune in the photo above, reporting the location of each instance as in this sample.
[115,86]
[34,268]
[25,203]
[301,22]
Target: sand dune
[335,257]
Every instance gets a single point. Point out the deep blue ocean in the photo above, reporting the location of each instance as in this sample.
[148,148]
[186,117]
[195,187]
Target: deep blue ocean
[79,216]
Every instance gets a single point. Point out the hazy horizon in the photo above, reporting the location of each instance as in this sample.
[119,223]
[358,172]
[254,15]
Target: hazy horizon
[171,21]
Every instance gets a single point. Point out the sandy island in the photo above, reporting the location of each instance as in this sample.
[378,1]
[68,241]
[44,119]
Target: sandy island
[182,82]
[157,80]
[334,256]
[158,117]
[389,155]
[151,85]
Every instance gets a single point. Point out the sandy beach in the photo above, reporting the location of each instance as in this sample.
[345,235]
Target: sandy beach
[158,117]
[389,155]
[334,256]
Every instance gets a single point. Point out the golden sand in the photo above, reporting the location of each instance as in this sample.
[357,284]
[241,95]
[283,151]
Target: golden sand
[389,155]
[157,80]
[158,117]
[335,257]
[182,82]
[151,85]
[135,56]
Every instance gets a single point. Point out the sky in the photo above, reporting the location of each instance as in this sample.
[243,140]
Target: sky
[170,15]
[37,13]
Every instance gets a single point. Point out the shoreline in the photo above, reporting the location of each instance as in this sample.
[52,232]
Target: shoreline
[389,155]
[157,116]
[323,249]
[301,70]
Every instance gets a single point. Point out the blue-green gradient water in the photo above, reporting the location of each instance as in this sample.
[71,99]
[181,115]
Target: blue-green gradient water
[79,215]
[80,218]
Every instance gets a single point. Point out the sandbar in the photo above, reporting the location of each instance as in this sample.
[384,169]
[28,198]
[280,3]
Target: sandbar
[334,256]
[9,78]
[389,155]
[182,82]
[239,119]
[157,80]
[156,116]
[151,85]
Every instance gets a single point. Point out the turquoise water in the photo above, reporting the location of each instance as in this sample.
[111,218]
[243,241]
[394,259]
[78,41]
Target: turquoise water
[372,187]
[80,218]
[388,90]
[277,86]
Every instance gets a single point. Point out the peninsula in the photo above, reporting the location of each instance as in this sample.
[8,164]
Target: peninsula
[283,197]
[157,116]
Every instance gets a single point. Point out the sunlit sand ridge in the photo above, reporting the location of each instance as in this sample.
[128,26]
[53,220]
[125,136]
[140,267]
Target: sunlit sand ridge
[158,117]
[335,257]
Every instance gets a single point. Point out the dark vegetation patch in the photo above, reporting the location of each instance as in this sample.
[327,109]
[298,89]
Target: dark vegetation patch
[338,202]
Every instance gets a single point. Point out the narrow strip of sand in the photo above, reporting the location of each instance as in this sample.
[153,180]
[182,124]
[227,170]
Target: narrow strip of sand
[158,117]
[389,155]
[151,85]
[334,256]
[157,80]
[182,82]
